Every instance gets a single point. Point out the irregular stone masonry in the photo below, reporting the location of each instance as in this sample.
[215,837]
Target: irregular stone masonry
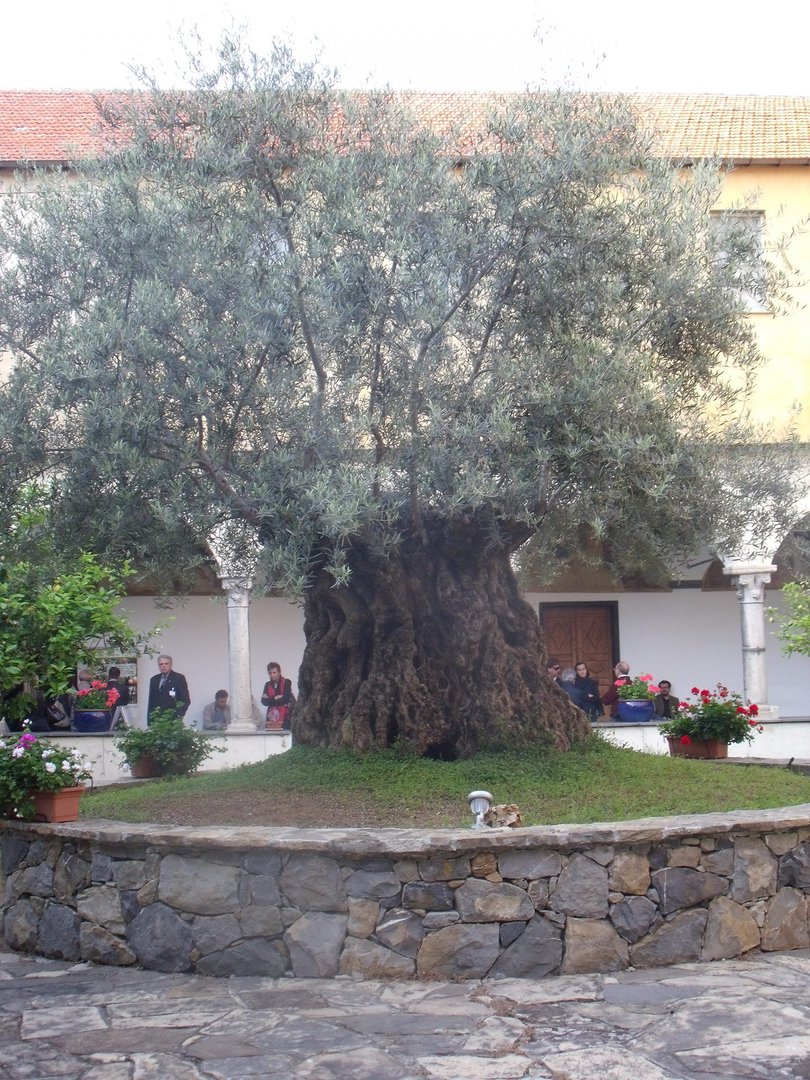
[403,903]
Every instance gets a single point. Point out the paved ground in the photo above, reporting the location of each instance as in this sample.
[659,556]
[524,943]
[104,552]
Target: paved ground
[747,1019]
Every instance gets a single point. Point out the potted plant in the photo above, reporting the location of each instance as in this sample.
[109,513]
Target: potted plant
[93,708]
[705,727]
[636,698]
[40,780]
[166,748]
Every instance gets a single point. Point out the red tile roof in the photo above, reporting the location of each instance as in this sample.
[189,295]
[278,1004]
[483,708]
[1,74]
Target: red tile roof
[45,125]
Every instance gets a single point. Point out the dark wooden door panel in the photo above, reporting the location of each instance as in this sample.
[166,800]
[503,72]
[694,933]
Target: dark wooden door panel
[582,632]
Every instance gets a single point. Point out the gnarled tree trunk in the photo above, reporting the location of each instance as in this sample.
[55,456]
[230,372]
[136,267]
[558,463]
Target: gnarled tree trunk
[432,648]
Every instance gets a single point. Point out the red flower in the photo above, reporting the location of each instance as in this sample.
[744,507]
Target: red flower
[685,740]
[742,709]
[723,691]
[694,690]
[706,694]
[753,710]
[753,723]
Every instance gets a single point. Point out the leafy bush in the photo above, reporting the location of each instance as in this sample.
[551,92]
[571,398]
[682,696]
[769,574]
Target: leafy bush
[177,749]
[50,619]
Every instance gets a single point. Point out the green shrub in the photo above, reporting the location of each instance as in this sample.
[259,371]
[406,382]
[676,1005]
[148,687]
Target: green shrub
[178,750]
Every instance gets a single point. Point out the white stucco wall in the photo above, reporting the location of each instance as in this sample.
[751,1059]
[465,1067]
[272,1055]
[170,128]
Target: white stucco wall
[779,740]
[687,636]
[196,637]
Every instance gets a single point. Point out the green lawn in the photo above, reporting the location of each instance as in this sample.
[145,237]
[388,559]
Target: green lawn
[595,782]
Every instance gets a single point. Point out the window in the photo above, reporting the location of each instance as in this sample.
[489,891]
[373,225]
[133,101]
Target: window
[741,235]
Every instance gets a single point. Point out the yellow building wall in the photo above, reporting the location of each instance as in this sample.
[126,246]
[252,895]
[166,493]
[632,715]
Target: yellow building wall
[782,194]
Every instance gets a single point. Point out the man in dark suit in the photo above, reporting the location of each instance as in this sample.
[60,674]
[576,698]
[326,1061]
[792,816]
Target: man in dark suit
[666,704]
[168,689]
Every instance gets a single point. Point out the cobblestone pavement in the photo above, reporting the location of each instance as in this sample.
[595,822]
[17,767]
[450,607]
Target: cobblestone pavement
[745,1018]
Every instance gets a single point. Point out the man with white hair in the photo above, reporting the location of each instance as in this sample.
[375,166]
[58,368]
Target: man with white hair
[167,690]
[611,696]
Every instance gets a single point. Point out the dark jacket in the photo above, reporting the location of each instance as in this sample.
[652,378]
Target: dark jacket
[611,695]
[122,688]
[173,695]
[589,688]
[277,695]
[575,694]
[673,705]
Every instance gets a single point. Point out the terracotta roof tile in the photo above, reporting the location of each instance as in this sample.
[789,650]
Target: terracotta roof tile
[43,125]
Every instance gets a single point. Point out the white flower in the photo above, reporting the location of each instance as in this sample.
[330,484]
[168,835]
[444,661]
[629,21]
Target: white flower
[47,753]
[67,765]
[18,751]
[50,767]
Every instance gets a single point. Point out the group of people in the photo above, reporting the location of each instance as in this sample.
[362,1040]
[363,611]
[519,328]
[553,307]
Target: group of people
[168,690]
[56,713]
[277,698]
[583,690]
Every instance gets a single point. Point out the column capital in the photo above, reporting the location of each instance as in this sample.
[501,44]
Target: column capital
[750,577]
[237,589]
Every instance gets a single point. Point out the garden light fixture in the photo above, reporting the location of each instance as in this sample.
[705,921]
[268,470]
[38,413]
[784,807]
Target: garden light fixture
[480,802]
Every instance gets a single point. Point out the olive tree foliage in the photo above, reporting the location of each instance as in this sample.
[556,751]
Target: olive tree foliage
[397,353]
[793,628]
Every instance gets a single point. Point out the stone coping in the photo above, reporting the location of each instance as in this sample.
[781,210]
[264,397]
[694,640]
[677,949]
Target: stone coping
[415,842]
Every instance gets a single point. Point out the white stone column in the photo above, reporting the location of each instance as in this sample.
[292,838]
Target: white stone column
[237,590]
[750,578]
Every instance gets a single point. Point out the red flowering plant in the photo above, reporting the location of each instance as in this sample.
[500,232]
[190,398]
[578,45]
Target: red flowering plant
[714,714]
[641,688]
[97,697]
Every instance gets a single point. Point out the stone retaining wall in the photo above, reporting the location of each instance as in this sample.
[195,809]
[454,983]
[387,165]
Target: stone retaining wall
[402,903]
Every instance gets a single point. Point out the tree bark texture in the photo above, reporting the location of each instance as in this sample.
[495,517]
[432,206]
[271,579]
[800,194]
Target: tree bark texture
[431,648]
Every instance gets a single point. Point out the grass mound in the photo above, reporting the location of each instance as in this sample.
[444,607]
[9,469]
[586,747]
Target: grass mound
[594,782]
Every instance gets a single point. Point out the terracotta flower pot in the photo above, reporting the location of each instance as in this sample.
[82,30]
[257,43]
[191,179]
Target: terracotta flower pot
[145,767]
[60,805]
[697,748]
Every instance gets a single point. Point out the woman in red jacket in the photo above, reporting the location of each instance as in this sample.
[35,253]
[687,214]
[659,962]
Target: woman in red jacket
[278,697]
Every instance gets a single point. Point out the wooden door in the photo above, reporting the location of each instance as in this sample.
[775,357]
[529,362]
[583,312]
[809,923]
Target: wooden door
[586,631]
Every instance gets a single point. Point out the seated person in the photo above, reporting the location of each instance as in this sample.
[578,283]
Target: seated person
[217,715]
[115,682]
[611,696]
[569,686]
[666,705]
[589,688]
[553,668]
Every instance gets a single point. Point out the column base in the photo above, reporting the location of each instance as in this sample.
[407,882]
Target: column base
[768,712]
[242,727]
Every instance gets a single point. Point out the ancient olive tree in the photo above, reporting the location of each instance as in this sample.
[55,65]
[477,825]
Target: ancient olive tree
[398,350]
